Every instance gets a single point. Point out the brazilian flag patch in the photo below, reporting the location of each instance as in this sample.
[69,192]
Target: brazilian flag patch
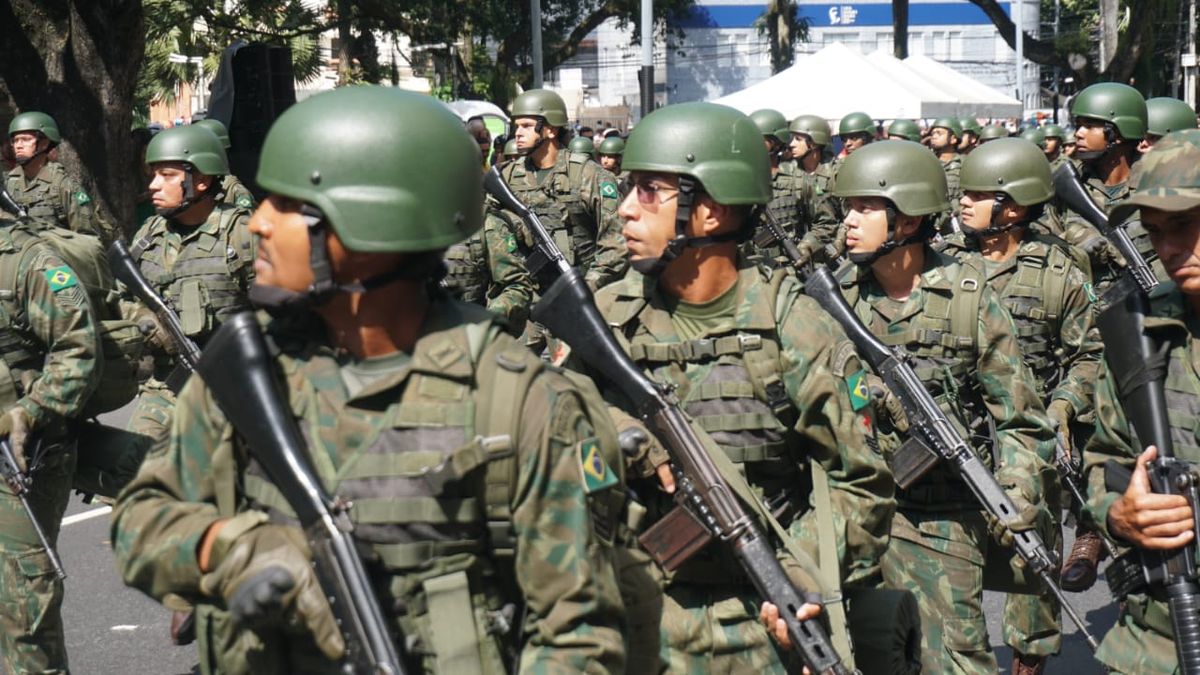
[82,198]
[1091,293]
[608,189]
[60,278]
[596,474]
[244,202]
[860,393]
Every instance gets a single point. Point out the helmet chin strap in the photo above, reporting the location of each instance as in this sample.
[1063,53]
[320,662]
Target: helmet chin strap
[537,129]
[1111,140]
[190,197]
[993,228]
[39,153]
[653,267]
[866,259]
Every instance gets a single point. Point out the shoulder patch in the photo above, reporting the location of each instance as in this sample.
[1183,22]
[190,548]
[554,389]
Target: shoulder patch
[608,189]
[82,198]
[60,278]
[1091,292]
[244,202]
[596,473]
[860,393]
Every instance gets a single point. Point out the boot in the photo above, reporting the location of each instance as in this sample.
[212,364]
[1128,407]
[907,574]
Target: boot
[1079,572]
[183,627]
[1024,664]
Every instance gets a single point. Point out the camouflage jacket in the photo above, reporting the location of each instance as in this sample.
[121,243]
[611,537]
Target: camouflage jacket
[488,269]
[235,194]
[414,424]
[54,194]
[979,380]
[50,351]
[953,169]
[1172,323]
[578,203]
[774,394]
[1058,336]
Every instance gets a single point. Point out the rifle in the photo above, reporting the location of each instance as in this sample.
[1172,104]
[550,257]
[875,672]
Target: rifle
[1136,363]
[126,271]
[9,204]
[19,481]
[237,368]
[706,504]
[1068,187]
[1073,478]
[933,437]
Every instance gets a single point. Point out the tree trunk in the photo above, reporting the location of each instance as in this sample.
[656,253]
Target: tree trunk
[345,43]
[900,29]
[78,60]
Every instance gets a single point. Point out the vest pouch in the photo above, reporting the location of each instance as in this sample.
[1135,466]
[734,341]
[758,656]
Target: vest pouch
[885,627]
[194,307]
[121,343]
[455,627]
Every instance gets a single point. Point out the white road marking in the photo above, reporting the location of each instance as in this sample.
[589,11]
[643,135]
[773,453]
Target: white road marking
[125,627]
[86,515]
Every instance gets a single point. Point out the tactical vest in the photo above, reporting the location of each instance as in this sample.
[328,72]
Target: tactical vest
[41,199]
[467,274]
[1034,297]
[432,490]
[558,201]
[204,286]
[1182,382]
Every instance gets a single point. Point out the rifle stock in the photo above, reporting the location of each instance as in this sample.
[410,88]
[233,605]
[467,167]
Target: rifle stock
[238,370]
[125,269]
[9,204]
[18,482]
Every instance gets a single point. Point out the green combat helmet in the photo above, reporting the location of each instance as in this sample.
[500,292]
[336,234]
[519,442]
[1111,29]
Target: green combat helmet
[613,145]
[192,144]
[856,123]
[906,129]
[970,125]
[950,123]
[218,129]
[991,132]
[907,175]
[713,149]
[541,103]
[510,148]
[1011,166]
[582,144]
[771,123]
[1169,178]
[1165,114]
[1120,105]
[1054,131]
[812,126]
[35,121]
[1036,136]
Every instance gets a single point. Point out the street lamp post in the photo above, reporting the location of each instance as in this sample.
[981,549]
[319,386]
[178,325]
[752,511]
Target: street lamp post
[199,61]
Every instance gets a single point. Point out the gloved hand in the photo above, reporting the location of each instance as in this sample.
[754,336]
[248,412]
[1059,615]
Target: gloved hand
[1059,412]
[1030,512]
[887,404]
[15,424]
[265,579]
[157,337]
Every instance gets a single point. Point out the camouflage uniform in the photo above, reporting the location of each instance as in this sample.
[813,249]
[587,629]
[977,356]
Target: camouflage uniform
[488,270]
[55,195]
[1047,293]
[577,201]
[235,194]
[50,344]
[203,274]
[547,552]
[939,537]
[771,390]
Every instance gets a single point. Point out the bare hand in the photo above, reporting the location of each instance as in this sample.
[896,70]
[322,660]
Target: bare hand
[777,627]
[1148,520]
[666,478]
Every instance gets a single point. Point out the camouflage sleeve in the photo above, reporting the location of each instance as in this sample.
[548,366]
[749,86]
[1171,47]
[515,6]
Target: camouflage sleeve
[1112,440]
[1024,437]
[819,365]
[510,291]
[820,209]
[573,604]
[600,195]
[245,245]
[161,516]
[81,211]
[1081,345]
[60,316]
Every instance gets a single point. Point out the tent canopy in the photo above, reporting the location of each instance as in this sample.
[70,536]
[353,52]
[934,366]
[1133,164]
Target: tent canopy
[838,80]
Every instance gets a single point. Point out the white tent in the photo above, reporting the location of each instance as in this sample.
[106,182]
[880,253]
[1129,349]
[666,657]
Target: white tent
[980,99]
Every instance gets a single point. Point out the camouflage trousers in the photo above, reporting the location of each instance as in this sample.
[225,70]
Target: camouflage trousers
[1033,618]
[1139,642]
[715,629]
[31,631]
[939,556]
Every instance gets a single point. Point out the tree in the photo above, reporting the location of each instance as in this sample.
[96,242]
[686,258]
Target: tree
[784,27]
[78,61]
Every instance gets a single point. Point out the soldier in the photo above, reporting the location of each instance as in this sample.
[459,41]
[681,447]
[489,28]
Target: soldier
[942,312]
[483,138]
[757,364]
[810,137]
[582,145]
[232,191]
[610,152]
[1005,187]
[574,196]
[42,185]
[1055,136]
[944,136]
[1164,115]
[904,130]
[510,150]
[487,270]
[991,132]
[381,365]
[856,130]
[786,181]
[51,366]
[970,135]
[1168,196]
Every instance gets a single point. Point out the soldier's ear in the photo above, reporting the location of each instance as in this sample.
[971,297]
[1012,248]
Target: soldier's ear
[202,181]
[906,225]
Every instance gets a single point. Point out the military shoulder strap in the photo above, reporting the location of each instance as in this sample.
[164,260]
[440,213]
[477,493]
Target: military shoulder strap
[967,299]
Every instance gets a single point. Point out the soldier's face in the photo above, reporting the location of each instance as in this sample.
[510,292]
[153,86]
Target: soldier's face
[527,134]
[166,185]
[1053,145]
[648,212]
[866,224]
[1146,143]
[853,142]
[800,145]
[1176,239]
[1089,135]
[969,140]
[611,163]
[27,143]
[283,247]
[941,139]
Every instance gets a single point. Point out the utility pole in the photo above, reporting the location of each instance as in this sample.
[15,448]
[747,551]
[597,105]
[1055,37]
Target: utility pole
[1057,70]
[1019,19]
[1189,59]
[535,21]
[647,79]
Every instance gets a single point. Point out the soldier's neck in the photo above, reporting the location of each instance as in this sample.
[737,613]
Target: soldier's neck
[546,156]
[899,272]
[1113,166]
[379,322]
[810,162]
[197,213]
[947,155]
[700,275]
[35,166]
[1003,246]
